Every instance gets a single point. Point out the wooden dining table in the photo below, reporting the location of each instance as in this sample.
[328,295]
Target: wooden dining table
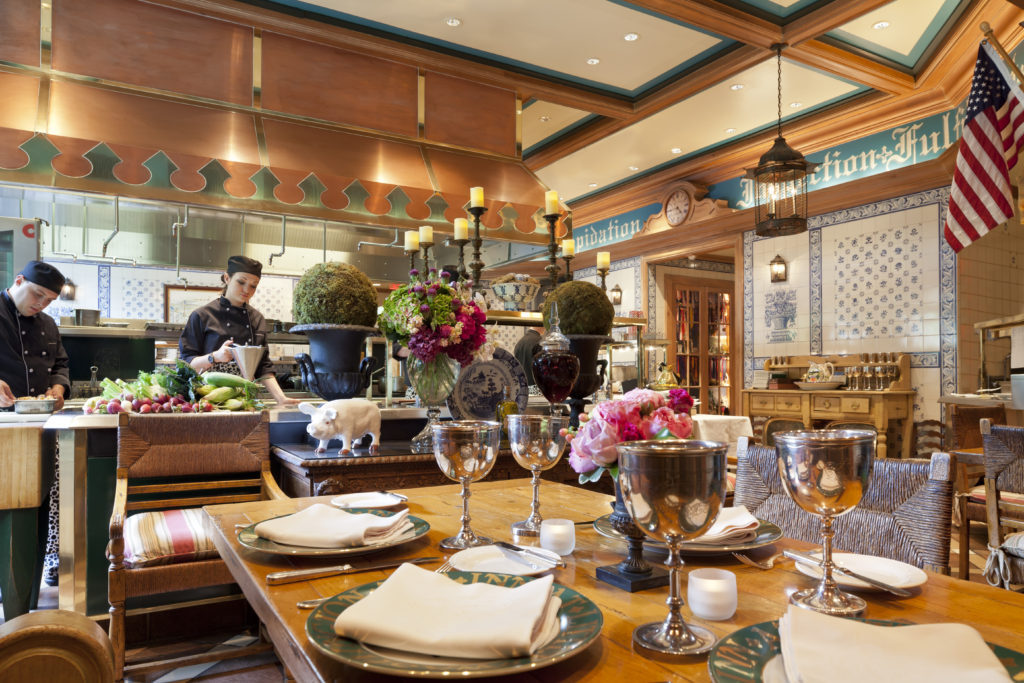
[494,505]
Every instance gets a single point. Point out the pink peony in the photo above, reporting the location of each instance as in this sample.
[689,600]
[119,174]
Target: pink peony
[595,442]
[679,424]
[680,400]
[647,400]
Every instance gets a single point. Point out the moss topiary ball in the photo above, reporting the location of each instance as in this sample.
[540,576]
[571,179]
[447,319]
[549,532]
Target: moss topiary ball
[583,308]
[335,293]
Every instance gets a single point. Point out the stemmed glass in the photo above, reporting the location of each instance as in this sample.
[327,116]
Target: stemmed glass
[826,473]
[465,450]
[674,490]
[537,444]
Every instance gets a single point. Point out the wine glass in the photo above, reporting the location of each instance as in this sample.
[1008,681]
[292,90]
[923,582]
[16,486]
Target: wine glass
[537,444]
[826,473]
[465,450]
[854,373]
[674,489]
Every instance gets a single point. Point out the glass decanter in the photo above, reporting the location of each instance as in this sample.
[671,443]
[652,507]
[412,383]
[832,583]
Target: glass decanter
[555,367]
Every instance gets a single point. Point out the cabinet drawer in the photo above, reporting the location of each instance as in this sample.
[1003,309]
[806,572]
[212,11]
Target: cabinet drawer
[826,404]
[856,404]
[766,403]
[787,404]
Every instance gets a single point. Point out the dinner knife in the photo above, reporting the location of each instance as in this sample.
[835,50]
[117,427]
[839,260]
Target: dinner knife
[277,578]
[530,553]
[838,569]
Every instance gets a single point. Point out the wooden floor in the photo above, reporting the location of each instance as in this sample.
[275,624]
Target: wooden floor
[265,668]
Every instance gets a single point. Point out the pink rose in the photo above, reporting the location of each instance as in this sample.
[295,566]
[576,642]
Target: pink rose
[581,463]
[595,441]
[618,413]
[679,424]
[648,400]
[680,400]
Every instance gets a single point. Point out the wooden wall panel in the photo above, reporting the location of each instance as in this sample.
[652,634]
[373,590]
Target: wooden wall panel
[135,42]
[19,31]
[19,101]
[461,112]
[323,82]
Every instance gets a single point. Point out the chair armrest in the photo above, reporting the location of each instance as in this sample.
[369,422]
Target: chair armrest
[271,491]
[115,546]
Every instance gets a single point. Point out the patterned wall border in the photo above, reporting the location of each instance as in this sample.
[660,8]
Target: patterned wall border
[947,303]
[103,288]
[748,308]
[814,246]
[701,264]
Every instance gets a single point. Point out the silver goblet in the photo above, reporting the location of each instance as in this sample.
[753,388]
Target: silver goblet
[826,473]
[674,490]
[537,445]
[465,450]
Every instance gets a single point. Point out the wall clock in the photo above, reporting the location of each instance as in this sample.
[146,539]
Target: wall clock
[677,206]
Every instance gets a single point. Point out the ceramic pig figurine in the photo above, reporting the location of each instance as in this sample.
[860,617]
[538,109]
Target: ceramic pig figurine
[347,419]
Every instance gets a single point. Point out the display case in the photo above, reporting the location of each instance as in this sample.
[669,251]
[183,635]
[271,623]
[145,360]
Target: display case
[700,315]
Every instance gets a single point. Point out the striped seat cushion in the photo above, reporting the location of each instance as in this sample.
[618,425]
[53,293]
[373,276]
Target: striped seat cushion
[167,537]
[977,495]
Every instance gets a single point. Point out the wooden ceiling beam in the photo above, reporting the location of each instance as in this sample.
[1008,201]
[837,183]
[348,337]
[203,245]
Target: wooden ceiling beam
[845,64]
[830,16]
[718,18]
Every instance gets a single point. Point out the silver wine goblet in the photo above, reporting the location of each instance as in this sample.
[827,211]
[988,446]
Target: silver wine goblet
[465,450]
[674,490]
[826,473]
[537,444]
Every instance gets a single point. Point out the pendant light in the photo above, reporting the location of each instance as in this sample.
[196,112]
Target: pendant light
[780,181]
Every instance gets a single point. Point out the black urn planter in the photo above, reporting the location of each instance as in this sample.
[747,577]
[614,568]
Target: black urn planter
[332,369]
[591,377]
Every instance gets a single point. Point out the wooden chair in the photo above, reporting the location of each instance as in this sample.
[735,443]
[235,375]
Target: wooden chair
[779,424]
[965,432]
[964,424]
[847,424]
[166,464]
[1004,501]
[929,436]
[904,515]
[54,645]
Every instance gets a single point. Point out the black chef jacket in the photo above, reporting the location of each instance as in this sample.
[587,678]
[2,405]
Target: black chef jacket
[32,357]
[211,325]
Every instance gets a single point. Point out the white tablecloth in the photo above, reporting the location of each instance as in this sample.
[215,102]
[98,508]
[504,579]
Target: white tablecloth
[723,428]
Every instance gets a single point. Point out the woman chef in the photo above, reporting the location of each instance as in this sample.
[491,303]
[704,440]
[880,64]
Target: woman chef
[213,329]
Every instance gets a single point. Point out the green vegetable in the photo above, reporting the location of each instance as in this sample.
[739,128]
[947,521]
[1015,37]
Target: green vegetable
[226,379]
[180,379]
[583,308]
[204,389]
[221,394]
[335,293]
[233,404]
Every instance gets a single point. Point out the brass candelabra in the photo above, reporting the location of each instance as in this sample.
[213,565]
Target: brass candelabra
[568,270]
[461,244]
[425,247]
[552,267]
[603,272]
[476,265]
[411,253]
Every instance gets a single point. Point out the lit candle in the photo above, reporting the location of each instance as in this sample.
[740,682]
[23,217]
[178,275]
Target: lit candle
[476,196]
[426,234]
[550,202]
[568,247]
[461,229]
[412,240]
[604,259]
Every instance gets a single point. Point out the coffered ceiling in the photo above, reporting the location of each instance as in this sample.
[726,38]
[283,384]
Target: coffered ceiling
[618,94]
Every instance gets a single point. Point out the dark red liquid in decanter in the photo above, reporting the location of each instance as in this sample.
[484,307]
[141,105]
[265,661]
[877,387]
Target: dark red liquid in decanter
[555,372]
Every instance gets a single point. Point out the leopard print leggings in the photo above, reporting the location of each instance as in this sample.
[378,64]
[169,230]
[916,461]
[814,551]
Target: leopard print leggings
[51,562]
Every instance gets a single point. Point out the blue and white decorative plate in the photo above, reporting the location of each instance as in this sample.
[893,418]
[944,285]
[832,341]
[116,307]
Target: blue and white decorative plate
[481,386]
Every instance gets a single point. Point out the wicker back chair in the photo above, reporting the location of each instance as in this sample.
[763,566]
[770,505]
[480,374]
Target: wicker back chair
[848,424]
[54,645]
[904,515]
[1004,474]
[929,436]
[964,425]
[779,424]
[172,462]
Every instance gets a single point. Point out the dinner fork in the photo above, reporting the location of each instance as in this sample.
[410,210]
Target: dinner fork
[444,568]
[763,564]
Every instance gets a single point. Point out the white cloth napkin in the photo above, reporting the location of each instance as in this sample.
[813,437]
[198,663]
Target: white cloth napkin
[817,647]
[419,611]
[733,525]
[323,526]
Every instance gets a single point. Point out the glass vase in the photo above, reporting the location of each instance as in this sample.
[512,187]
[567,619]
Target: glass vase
[433,381]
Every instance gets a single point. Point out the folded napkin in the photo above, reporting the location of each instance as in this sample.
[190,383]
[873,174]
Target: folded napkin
[817,647]
[419,611]
[323,526]
[733,525]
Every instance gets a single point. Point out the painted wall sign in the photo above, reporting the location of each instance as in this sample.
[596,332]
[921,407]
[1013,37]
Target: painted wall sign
[612,230]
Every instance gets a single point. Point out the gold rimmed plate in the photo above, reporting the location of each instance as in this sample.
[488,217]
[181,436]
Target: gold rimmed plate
[767,533]
[248,538]
[580,622]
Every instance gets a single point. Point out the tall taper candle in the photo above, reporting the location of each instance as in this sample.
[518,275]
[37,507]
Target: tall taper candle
[476,196]
[604,259]
[461,229]
[550,202]
[412,240]
[426,234]
[568,247]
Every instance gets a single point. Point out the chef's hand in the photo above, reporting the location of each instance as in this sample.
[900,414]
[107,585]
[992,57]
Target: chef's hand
[6,397]
[223,354]
[56,392]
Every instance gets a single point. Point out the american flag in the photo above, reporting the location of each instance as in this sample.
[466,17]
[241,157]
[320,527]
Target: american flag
[980,197]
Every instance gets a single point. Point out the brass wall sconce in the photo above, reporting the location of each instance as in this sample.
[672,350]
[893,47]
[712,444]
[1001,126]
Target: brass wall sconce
[778,269]
[615,295]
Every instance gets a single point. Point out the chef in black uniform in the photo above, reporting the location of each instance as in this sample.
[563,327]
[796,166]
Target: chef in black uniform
[213,329]
[32,359]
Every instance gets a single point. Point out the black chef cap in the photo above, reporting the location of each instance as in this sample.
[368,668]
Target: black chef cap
[244,264]
[44,275]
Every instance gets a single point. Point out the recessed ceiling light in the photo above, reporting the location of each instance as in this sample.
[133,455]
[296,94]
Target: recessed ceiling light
[736,86]
[730,130]
[677,150]
[634,168]
[593,60]
[591,184]
[545,119]
[453,21]
[795,105]
[631,37]
[878,26]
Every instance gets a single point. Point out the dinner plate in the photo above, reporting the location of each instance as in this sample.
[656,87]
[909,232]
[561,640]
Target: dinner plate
[248,538]
[481,385]
[367,499]
[491,558]
[743,655]
[818,386]
[766,533]
[892,572]
[579,620]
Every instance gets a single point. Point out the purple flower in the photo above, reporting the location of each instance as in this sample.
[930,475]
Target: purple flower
[424,308]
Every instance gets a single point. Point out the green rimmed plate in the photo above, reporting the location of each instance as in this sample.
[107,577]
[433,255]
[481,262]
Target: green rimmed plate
[247,537]
[580,623]
[742,655]
[767,533]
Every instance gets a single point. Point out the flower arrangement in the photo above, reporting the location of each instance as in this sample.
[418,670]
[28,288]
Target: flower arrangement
[433,316]
[639,414]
